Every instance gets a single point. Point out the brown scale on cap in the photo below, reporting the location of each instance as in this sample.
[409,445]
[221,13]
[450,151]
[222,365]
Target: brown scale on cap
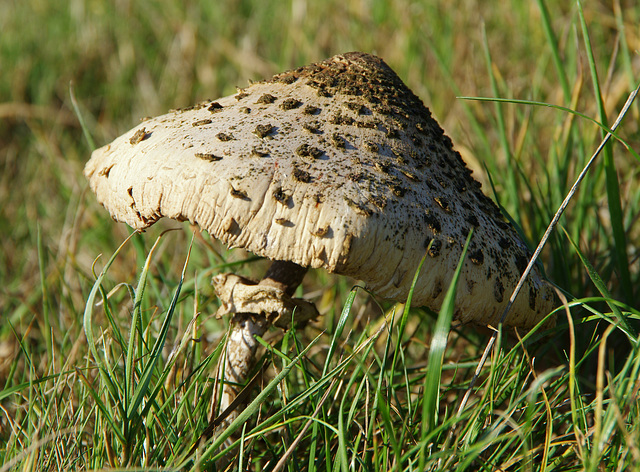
[281,197]
[290,104]
[313,128]
[138,136]
[214,107]
[266,99]
[357,152]
[434,250]
[308,152]
[264,130]
[301,175]
[208,156]
[338,141]
[259,152]
[477,257]
[241,194]
[311,110]
[224,136]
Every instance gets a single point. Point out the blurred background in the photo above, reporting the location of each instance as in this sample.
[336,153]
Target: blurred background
[123,60]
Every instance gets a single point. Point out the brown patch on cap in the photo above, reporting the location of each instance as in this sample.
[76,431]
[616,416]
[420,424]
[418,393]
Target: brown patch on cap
[139,136]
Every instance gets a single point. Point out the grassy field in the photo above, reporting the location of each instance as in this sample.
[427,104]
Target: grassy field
[86,388]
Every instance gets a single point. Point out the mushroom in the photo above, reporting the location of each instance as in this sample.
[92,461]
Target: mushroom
[335,165]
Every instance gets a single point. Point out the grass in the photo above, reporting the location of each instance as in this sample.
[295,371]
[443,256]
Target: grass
[107,362]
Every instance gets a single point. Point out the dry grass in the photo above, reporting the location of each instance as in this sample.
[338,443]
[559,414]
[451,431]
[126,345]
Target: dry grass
[126,60]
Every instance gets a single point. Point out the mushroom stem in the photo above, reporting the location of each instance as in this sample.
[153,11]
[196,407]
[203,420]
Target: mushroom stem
[241,346]
[240,356]
[285,275]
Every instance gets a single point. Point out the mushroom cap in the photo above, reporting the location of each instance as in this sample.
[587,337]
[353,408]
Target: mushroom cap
[336,165]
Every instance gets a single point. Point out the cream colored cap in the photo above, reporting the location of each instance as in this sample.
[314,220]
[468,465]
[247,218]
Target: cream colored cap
[336,165]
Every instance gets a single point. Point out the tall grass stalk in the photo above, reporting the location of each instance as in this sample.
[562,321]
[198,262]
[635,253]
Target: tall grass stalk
[111,365]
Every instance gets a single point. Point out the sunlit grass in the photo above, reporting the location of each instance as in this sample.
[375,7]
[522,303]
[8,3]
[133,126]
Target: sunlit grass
[115,369]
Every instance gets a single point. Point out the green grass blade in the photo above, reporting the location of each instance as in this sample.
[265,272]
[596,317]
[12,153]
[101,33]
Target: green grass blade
[45,298]
[472,119]
[502,129]
[83,125]
[345,438]
[552,41]
[436,352]
[332,347]
[7,392]
[407,307]
[602,126]
[389,432]
[624,46]
[602,288]
[619,387]
[156,351]
[342,321]
[88,320]
[611,174]
[136,333]
[379,395]
[253,407]
[103,407]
